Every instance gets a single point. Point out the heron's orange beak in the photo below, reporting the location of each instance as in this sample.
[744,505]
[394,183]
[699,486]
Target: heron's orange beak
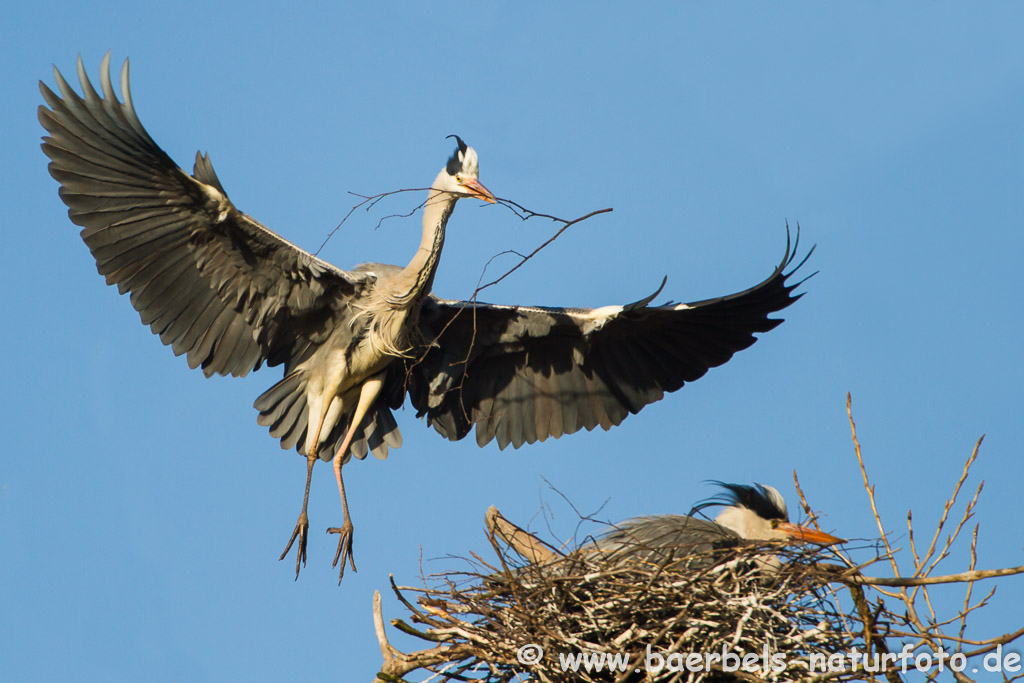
[474,188]
[808,535]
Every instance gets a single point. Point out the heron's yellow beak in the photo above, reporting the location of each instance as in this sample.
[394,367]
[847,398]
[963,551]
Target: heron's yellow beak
[473,187]
[807,535]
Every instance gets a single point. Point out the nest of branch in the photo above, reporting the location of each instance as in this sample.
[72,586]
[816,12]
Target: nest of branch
[783,614]
[574,608]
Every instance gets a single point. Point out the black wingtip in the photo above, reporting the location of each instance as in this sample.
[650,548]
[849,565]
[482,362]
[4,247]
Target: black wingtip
[792,249]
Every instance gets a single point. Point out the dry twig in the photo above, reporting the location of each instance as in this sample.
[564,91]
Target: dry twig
[824,621]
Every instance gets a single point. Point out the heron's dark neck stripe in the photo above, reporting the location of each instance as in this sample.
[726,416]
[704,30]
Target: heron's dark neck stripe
[426,274]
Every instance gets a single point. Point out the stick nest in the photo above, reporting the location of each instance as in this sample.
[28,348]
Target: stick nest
[784,614]
[591,602]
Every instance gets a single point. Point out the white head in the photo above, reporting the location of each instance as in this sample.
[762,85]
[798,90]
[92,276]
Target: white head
[758,513]
[460,176]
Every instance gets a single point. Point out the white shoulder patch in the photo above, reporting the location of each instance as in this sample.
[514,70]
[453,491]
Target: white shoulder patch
[216,203]
[605,312]
[598,317]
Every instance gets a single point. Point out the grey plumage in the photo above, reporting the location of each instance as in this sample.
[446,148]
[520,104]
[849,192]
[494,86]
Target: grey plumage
[231,295]
[658,536]
[521,374]
[749,514]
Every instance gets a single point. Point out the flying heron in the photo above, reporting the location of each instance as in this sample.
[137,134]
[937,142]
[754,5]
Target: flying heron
[749,513]
[230,294]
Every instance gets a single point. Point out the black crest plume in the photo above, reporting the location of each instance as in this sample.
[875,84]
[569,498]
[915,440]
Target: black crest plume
[455,162]
[754,498]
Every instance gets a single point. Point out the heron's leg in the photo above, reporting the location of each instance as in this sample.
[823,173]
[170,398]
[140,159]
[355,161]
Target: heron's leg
[367,395]
[302,527]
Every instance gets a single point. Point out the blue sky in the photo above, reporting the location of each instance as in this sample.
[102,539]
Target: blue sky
[142,509]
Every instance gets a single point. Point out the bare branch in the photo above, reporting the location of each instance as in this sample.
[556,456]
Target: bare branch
[587,602]
[869,487]
[952,500]
[369,201]
[970,584]
[963,577]
[524,259]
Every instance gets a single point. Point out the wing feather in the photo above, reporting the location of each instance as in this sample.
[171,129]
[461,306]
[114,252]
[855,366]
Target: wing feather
[212,282]
[527,373]
[569,389]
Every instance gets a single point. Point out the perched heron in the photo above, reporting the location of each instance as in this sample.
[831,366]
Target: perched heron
[749,513]
[231,295]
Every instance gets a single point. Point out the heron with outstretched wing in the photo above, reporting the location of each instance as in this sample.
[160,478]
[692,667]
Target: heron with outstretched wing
[231,295]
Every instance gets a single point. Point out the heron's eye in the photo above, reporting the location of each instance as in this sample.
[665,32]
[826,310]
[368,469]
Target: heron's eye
[458,178]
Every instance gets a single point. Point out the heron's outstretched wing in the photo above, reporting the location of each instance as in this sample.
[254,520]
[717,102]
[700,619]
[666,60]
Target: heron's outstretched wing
[522,374]
[211,281]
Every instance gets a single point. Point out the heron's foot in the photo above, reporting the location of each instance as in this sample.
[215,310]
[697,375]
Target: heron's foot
[344,548]
[302,533]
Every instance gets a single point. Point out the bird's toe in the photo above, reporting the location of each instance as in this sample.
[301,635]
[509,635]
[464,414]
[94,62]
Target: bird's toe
[344,552]
[301,533]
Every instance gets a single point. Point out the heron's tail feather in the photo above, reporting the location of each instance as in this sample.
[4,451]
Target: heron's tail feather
[379,432]
[283,408]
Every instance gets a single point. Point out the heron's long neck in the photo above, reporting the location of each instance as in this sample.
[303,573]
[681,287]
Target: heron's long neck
[417,278]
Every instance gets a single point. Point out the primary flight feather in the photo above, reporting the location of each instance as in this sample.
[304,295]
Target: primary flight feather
[232,295]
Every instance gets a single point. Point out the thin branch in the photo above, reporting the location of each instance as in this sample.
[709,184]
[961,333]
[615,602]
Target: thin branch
[970,585]
[996,642]
[963,577]
[952,499]
[868,486]
[369,201]
[524,259]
